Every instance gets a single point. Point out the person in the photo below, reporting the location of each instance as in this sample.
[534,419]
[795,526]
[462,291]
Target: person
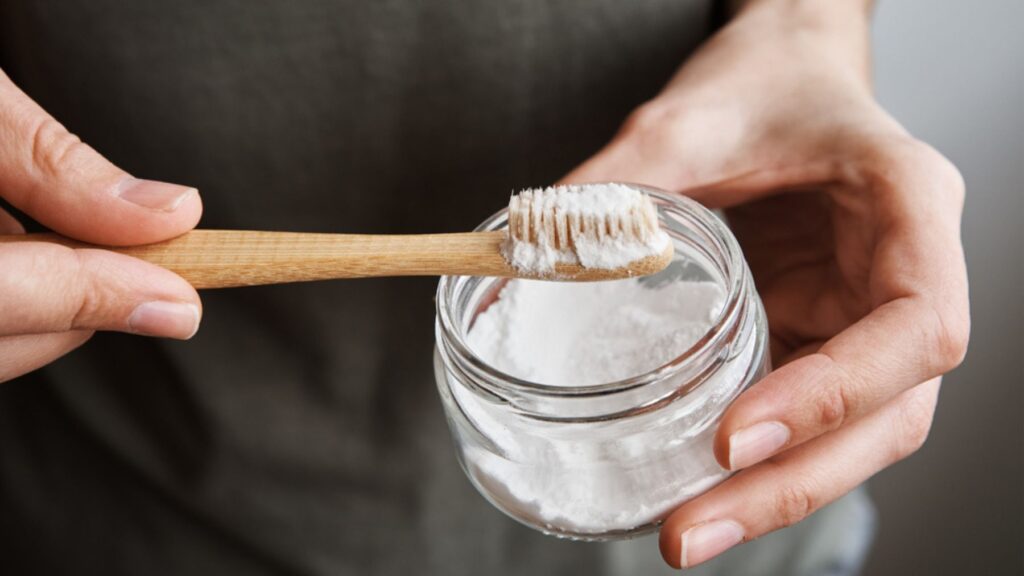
[298,431]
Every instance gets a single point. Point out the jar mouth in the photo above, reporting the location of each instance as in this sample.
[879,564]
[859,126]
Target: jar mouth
[705,230]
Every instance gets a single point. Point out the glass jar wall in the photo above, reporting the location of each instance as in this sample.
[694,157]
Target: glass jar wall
[609,460]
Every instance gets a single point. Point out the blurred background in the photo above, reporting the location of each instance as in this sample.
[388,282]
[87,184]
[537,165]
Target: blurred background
[953,73]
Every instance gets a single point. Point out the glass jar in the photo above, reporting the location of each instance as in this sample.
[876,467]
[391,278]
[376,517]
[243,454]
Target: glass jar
[609,460]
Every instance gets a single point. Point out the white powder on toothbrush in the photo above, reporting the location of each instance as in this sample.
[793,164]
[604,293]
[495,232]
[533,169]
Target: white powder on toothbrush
[610,226]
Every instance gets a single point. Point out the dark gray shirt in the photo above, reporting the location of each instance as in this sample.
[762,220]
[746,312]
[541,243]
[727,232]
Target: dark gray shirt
[300,431]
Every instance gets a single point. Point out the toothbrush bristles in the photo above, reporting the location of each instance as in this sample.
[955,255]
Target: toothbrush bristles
[562,216]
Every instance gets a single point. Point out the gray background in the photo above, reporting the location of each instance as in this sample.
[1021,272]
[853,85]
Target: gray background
[953,72]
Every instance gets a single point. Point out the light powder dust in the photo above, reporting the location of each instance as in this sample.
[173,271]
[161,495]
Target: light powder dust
[579,334]
[585,213]
[599,477]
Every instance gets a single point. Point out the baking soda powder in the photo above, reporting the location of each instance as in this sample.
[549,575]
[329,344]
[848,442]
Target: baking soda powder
[597,477]
[611,225]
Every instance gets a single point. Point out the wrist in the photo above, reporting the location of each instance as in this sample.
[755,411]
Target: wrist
[837,29]
[850,10]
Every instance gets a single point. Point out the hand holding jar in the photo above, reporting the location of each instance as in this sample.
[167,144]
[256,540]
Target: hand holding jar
[851,229]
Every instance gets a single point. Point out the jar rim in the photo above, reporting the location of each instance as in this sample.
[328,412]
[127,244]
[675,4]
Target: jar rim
[733,274]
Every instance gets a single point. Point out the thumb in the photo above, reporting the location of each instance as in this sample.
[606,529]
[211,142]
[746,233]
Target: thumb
[701,153]
[48,173]
[658,145]
[621,160]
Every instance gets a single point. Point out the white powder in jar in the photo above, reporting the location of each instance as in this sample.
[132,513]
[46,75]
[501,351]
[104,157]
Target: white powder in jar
[598,477]
[579,334]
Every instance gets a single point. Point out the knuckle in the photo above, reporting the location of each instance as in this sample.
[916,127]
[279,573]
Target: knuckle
[647,117]
[53,147]
[834,403]
[101,288]
[45,288]
[912,424]
[84,304]
[657,127]
[794,503]
[944,177]
[908,163]
[953,183]
[832,407]
[949,336]
[67,273]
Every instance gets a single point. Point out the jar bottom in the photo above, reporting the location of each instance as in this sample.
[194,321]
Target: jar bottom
[499,496]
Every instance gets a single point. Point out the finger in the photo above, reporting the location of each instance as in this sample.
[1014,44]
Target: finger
[9,224]
[918,330]
[50,288]
[52,176]
[621,162]
[647,150]
[22,354]
[850,375]
[788,488]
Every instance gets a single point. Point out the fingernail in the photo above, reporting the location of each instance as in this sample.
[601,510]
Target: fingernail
[755,443]
[154,195]
[705,541]
[165,319]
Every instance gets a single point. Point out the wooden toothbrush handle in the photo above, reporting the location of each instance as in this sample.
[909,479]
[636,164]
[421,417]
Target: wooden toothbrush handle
[229,258]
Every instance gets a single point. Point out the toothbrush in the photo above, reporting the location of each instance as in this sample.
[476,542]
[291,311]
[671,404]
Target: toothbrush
[559,220]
